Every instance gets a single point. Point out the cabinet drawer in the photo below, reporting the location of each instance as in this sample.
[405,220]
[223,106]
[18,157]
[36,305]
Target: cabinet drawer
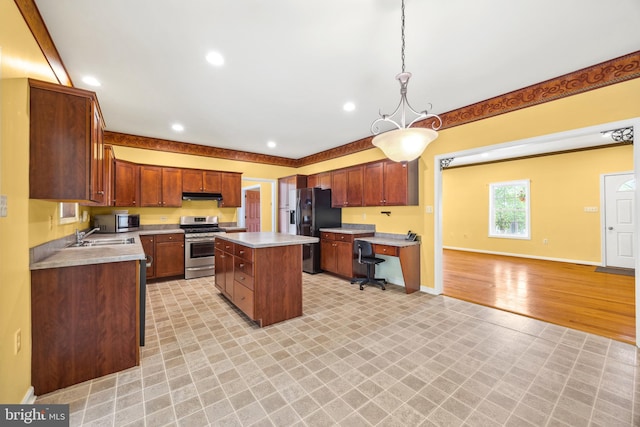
[341,237]
[243,272]
[223,245]
[243,298]
[328,236]
[174,237]
[385,250]
[243,252]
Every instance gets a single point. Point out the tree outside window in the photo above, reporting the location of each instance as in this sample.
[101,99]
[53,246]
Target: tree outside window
[509,210]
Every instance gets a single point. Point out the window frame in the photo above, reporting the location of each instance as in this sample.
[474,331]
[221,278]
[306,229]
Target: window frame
[526,183]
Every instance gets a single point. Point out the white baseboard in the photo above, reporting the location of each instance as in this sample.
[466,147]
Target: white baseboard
[571,261]
[428,290]
[29,398]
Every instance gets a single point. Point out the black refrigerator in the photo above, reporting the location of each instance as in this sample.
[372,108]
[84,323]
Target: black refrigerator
[313,212]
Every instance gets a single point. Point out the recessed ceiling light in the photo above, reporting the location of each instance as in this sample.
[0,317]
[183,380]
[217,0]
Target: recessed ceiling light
[271,144]
[177,127]
[215,58]
[91,81]
[349,106]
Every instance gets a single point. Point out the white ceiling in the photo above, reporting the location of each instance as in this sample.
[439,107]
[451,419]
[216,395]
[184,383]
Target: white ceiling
[291,65]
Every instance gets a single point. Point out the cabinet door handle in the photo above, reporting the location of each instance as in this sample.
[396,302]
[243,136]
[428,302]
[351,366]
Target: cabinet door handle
[241,265]
[101,192]
[241,252]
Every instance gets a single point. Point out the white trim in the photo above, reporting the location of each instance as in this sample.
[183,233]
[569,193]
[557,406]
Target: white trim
[437,225]
[274,213]
[543,258]
[30,397]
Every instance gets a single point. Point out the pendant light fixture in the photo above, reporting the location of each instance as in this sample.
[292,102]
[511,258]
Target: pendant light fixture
[404,143]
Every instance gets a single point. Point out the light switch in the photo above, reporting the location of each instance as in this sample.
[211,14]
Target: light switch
[591,209]
[3,206]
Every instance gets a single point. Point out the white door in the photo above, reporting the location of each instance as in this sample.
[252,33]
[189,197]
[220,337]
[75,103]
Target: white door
[619,220]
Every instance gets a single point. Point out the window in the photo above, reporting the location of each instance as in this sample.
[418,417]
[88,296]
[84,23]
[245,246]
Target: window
[68,213]
[509,210]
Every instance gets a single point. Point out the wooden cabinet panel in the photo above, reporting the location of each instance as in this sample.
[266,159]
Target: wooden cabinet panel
[211,182]
[85,323]
[200,181]
[148,245]
[346,187]
[243,272]
[169,255]
[231,189]
[160,187]
[192,181]
[126,188]
[390,183]
[150,186]
[66,144]
[385,250]
[336,254]
[320,180]
[243,298]
[171,187]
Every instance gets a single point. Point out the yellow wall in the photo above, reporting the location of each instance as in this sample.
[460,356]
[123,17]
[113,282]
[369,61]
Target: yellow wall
[20,57]
[31,222]
[604,105]
[561,186]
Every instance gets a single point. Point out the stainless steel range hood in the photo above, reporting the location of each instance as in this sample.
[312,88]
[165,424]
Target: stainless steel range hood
[202,196]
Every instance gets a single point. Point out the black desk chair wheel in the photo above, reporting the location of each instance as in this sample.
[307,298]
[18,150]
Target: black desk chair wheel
[364,250]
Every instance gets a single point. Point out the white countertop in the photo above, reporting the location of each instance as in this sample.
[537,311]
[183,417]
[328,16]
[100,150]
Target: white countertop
[267,239]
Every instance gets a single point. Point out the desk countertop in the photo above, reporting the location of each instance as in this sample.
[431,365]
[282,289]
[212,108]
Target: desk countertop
[347,230]
[400,243]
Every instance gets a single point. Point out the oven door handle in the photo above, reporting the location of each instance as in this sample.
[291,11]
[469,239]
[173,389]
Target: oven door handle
[208,267]
[200,240]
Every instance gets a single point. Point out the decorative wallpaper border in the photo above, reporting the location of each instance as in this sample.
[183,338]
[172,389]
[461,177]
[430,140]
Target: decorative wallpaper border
[610,72]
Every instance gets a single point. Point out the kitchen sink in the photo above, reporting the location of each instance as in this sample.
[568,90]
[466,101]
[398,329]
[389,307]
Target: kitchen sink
[104,242]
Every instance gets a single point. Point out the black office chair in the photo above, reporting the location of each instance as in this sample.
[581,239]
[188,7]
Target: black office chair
[366,256]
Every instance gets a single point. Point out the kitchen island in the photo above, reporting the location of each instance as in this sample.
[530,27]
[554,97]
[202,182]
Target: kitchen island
[261,274]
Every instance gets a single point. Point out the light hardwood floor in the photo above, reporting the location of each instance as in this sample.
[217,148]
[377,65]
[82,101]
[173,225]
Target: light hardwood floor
[565,294]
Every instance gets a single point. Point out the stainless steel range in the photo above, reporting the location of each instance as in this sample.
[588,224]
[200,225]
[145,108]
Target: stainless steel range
[199,244]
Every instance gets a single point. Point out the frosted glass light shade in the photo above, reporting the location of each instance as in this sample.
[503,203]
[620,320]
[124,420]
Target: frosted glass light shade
[404,145]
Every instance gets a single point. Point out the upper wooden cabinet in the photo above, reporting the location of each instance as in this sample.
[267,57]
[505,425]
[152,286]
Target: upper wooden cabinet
[66,144]
[388,183]
[160,186]
[201,181]
[231,189]
[320,180]
[126,184]
[347,186]
[286,200]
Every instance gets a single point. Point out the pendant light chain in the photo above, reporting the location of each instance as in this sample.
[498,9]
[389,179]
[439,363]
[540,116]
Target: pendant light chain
[402,29]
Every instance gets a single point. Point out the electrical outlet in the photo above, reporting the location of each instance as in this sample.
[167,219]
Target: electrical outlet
[429,209]
[545,241]
[17,341]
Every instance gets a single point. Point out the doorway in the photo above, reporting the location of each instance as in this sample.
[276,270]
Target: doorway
[582,138]
[619,224]
[252,210]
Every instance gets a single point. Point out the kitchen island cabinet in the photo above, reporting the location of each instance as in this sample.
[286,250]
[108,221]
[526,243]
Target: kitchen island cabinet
[261,274]
[85,322]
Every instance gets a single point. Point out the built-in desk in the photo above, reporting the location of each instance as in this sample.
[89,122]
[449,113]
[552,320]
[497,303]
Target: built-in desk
[407,252]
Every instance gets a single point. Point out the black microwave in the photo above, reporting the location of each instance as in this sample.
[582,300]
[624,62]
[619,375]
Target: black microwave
[117,223]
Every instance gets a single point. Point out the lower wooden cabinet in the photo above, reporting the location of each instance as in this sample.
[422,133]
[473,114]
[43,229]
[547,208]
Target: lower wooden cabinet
[85,323]
[166,253]
[336,254]
[265,283]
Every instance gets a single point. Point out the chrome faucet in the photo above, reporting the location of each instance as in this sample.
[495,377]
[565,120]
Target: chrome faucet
[80,235]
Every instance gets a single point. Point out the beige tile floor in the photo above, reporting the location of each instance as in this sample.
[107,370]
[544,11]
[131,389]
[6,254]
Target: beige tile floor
[359,358]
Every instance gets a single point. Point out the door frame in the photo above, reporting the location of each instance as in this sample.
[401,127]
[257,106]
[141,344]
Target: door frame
[603,224]
[241,209]
[591,130]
